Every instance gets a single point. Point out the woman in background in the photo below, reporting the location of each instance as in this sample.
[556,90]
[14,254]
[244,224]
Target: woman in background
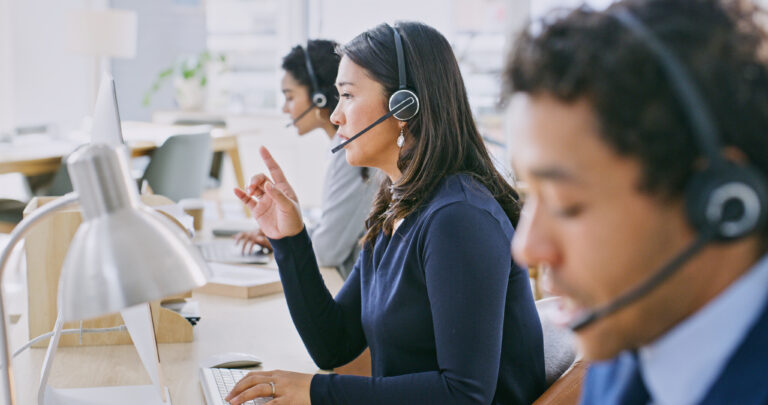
[447,315]
[347,191]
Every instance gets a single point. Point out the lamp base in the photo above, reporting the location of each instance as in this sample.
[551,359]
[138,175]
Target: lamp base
[120,395]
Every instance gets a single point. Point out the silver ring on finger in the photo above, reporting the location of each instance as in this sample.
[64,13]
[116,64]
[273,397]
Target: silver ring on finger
[272,384]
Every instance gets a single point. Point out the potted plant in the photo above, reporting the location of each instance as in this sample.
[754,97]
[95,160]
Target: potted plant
[190,76]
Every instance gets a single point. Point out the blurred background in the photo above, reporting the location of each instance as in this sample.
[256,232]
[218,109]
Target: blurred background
[218,61]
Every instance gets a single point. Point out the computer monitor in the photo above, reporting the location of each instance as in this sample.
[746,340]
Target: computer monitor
[106,116]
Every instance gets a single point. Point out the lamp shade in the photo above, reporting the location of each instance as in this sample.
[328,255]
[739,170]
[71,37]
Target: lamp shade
[124,253]
[102,32]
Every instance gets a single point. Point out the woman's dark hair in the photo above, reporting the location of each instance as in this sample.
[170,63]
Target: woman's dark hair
[444,137]
[587,54]
[325,63]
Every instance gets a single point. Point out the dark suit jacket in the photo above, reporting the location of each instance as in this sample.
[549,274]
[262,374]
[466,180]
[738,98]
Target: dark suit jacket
[743,381]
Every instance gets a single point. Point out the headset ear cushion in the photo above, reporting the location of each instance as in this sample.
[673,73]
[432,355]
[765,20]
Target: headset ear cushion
[401,96]
[728,203]
[319,100]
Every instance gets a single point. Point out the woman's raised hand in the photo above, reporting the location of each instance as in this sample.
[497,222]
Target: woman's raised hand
[273,203]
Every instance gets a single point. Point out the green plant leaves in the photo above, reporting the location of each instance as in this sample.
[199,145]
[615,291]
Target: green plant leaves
[187,69]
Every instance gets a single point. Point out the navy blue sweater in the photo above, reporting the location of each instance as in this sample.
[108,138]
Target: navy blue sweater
[447,315]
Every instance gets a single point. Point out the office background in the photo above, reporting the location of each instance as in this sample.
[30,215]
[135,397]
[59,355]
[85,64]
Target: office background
[44,84]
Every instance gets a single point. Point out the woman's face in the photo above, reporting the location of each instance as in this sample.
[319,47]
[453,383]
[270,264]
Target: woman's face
[296,102]
[361,102]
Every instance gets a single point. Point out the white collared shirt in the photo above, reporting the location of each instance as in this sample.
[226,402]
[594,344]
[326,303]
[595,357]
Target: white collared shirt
[680,367]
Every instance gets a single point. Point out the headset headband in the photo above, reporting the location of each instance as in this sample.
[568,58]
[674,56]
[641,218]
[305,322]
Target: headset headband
[704,128]
[310,70]
[400,58]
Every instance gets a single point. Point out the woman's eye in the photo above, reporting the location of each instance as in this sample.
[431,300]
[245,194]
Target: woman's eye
[345,95]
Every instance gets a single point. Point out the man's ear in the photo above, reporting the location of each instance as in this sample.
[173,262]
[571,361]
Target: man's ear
[736,155]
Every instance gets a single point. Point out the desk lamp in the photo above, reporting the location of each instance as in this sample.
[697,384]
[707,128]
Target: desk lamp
[122,255]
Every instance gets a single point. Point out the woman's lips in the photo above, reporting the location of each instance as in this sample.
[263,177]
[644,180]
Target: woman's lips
[343,138]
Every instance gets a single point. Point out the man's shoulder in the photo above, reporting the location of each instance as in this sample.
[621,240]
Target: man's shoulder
[610,382]
[742,380]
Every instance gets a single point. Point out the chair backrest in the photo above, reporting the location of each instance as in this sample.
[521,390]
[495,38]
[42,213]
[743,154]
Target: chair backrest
[559,342]
[11,212]
[179,168]
[61,184]
[564,372]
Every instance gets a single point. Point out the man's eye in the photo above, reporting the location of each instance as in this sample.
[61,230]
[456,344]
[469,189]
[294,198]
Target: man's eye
[570,211]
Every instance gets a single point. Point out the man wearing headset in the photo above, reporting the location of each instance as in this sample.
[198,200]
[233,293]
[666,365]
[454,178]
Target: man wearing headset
[642,136]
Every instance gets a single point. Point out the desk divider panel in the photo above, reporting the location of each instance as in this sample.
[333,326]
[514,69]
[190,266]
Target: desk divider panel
[46,247]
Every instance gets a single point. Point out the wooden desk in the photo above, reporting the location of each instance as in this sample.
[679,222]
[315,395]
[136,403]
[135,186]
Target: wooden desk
[31,160]
[261,326]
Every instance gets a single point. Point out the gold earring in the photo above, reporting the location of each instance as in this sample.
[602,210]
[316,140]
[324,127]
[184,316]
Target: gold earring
[401,138]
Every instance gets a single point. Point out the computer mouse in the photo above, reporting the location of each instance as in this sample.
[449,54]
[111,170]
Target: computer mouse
[231,360]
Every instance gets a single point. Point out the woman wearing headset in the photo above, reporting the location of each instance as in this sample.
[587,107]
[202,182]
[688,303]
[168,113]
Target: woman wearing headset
[310,97]
[448,317]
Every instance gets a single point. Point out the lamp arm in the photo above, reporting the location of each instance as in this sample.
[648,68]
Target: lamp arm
[16,235]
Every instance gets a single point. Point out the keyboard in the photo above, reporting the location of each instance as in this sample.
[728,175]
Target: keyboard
[218,382]
[226,251]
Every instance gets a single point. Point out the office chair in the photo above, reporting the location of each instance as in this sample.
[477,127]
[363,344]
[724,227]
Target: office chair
[214,179]
[12,209]
[11,213]
[16,193]
[564,371]
[179,168]
[60,184]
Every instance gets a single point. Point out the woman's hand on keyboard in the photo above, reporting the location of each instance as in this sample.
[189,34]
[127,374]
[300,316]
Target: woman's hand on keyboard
[275,206]
[289,387]
[251,239]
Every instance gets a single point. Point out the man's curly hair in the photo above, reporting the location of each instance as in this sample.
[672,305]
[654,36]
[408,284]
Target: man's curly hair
[587,54]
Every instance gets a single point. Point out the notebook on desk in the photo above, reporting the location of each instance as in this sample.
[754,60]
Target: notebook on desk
[241,281]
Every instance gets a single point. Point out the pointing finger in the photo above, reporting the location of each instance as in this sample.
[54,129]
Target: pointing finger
[274,168]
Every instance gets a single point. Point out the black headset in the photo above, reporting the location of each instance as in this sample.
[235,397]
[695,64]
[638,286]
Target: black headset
[723,202]
[403,103]
[318,98]
[403,95]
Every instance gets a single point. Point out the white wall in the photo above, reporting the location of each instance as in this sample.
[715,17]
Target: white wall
[518,19]
[167,29]
[302,158]
[41,82]
[49,84]
[342,20]
[6,72]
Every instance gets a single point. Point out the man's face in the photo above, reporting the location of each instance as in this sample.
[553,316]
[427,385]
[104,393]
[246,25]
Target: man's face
[585,217]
